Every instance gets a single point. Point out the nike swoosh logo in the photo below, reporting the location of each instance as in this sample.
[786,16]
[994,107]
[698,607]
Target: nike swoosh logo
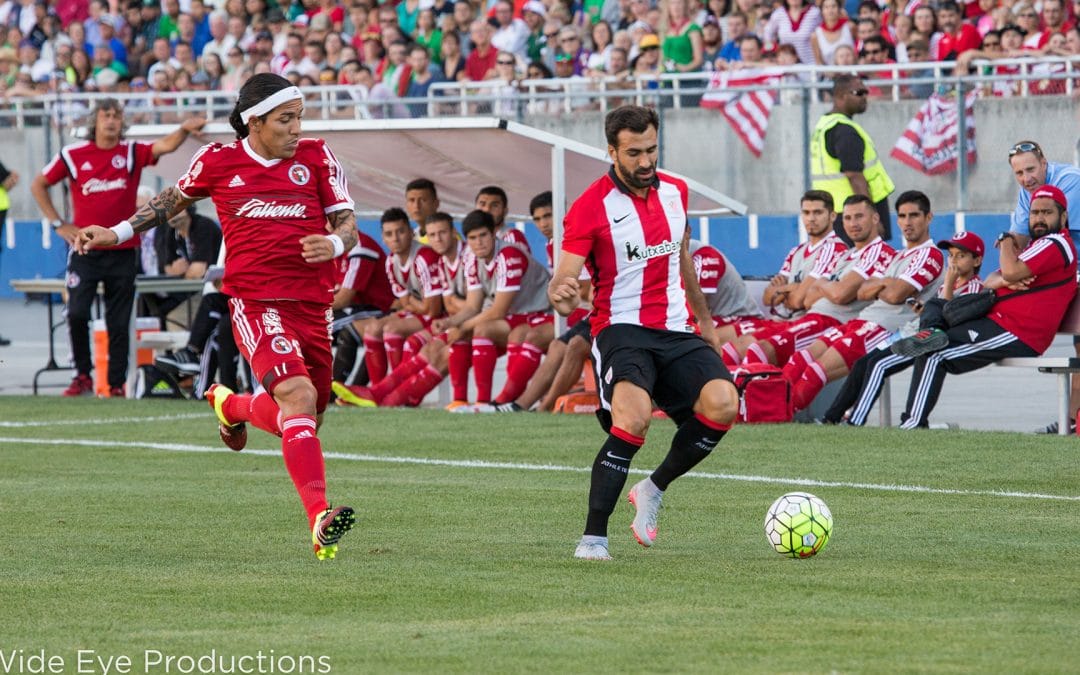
[619,220]
[623,459]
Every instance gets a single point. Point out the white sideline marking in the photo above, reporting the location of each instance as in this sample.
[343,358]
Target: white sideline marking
[518,466]
[107,420]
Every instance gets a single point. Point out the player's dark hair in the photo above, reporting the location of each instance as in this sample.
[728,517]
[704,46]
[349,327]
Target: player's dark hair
[493,191]
[859,199]
[750,37]
[393,215]
[634,118]
[818,196]
[422,184]
[258,87]
[91,121]
[915,197]
[842,82]
[540,201]
[475,220]
[440,217]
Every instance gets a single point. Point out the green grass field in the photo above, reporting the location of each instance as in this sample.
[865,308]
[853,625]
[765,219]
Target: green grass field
[127,527]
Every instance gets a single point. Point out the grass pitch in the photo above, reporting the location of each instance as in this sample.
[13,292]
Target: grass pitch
[130,531]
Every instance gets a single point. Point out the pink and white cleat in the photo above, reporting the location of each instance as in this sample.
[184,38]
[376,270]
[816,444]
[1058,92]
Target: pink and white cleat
[646,498]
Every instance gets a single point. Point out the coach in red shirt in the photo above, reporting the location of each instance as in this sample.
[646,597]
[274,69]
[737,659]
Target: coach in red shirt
[104,172]
[631,227]
[1044,272]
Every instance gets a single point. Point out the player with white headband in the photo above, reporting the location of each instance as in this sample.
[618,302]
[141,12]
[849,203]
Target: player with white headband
[278,195]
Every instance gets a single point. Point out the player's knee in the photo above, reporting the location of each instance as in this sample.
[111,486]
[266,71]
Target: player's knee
[719,401]
[296,393]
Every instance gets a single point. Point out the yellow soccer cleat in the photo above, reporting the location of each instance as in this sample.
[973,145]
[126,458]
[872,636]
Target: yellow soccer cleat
[232,435]
[329,528]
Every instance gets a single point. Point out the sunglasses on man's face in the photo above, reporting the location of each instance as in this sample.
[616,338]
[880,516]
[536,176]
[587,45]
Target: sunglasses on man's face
[504,63]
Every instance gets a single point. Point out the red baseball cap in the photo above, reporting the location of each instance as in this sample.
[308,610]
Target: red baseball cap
[969,241]
[1051,192]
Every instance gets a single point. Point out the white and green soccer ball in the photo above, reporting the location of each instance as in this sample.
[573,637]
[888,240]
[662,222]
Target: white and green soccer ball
[798,525]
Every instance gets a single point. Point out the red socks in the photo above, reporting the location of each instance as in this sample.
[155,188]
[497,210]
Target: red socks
[730,356]
[394,345]
[413,392]
[397,377]
[484,356]
[811,383]
[520,367]
[755,354]
[302,452]
[460,362]
[261,410]
[795,366]
[375,358]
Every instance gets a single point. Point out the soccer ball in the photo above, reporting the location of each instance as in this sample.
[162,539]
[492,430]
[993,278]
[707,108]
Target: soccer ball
[798,525]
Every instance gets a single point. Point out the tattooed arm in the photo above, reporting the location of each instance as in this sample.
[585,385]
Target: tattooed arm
[320,248]
[155,212]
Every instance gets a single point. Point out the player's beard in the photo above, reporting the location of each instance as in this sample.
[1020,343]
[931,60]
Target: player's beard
[635,181]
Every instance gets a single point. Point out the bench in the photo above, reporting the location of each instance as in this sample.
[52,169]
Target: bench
[1062,366]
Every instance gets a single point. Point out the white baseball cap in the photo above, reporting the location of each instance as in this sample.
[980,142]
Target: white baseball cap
[534,6]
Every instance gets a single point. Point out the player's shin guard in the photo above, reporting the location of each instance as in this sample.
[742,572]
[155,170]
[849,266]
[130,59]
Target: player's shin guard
[413,345]
[303,457]
[609,472]
[265,413]
[795,366]
[730,355]
[413,392]
[484,356]
[375,358]
[811,383]
[692,443]
[460,362]
[394,344]
[519,371]
[397,377]
[755,354]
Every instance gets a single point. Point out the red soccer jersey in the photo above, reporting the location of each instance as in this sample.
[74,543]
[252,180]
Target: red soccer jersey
[709,266]
[512,235]
[266,206]
[362,270]
[632,245]
[103,182]
[1035,318]
[419,275]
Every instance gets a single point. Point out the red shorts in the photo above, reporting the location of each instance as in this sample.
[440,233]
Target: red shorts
[424,319]
[788,336]
[743,325]
[854,339]
[283,339]
[532,319]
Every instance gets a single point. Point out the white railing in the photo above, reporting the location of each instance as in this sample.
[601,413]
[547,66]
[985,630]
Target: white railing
[551,96]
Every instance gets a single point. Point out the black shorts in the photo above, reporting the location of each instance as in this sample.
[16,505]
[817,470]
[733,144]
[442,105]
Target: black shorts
[581,329]
[673,367]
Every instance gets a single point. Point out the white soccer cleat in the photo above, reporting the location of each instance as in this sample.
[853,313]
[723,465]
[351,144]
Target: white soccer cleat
[646,498]
[592,547]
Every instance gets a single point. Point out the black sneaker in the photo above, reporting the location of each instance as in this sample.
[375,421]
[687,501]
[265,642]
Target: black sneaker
[1053,427]
[925,341]
[4,342]
[509,407]
[182,361]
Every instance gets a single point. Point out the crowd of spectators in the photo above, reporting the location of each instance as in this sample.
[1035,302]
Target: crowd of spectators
[387,51]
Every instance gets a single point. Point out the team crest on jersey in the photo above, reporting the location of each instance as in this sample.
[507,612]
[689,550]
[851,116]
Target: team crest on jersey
[72,279]
[189,178]
[281,345]
[299,174]
[119,161]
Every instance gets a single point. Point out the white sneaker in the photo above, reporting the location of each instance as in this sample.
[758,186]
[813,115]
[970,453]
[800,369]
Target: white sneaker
[484,408]
[646,498]
[474,408]
[592,547]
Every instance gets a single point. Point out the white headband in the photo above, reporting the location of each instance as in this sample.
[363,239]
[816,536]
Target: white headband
[270,102]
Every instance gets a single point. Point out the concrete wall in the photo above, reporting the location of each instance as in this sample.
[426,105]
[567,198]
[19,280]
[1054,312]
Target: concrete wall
[701,144]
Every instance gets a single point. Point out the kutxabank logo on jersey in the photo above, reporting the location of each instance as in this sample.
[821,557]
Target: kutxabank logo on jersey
[636,251]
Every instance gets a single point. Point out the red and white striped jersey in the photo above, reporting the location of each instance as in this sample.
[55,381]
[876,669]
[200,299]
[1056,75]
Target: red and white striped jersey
[363,270]
[725,291]
[455,279]
[869,261]
[418,275]
[512,235]
[806,257]
[103,182]
[632,245]
[921,266]
[511,270]
[972,285]
[266,206]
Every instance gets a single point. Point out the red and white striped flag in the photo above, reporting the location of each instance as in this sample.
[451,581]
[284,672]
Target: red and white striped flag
[929,143]
[746,111]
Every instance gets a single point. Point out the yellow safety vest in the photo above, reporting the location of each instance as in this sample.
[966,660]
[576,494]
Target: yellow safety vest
[4,201]
[825,171]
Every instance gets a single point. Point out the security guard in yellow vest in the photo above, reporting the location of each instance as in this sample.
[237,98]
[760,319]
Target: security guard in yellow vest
[7,181]
[843,160]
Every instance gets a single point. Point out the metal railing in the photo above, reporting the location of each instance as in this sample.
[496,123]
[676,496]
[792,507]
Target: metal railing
[522,98]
